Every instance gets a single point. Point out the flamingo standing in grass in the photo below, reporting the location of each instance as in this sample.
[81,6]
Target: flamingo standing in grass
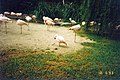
[21,23]
[28,18]
[47,18]
[48,21]
[75,28]
[5,20]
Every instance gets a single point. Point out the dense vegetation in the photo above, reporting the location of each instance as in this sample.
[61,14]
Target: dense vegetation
[105,12]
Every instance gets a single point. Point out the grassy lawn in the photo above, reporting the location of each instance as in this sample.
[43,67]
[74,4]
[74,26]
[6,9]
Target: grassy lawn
[96,61]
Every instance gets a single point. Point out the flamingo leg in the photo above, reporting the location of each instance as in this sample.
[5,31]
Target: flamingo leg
[75,36]
[35,20]
[28,26]
[6,28]
[21,29]
[0,27]
[46,26]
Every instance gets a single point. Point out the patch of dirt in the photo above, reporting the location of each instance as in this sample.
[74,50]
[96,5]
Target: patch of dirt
[38,38]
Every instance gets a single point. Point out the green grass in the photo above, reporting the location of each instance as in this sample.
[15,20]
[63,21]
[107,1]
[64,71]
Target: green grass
[103,55]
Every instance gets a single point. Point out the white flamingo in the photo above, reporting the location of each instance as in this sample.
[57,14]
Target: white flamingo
[83,23]
[18,14]
[59,39]
[48,21]
[75,28]
[13,13]
[5,20]
[34,18]
[21,23]
[6,13]
[92,23]
[28,18]
[57,20]
[73,22]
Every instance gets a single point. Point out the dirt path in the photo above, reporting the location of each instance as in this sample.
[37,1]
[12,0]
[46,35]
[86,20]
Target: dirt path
[38,38]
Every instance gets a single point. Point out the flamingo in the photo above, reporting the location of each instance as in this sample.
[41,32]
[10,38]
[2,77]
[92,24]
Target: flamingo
[57,20]
[1,15]
[117,27]
[73,22]
[83,23]
[92,23]
[5,20]
[6,13]
[47,18]
[18,14]
[21,23]
[34,18]
[75,28]
[60,39]
[13,14]
[28,18]
[48,21]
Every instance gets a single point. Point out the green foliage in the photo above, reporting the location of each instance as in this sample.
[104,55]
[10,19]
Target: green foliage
[104,12]
[57,10]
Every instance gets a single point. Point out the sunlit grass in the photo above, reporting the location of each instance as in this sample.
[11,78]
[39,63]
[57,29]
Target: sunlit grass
[100,60]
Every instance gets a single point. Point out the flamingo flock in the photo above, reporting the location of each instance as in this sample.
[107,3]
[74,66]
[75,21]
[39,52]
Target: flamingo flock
[49,22]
